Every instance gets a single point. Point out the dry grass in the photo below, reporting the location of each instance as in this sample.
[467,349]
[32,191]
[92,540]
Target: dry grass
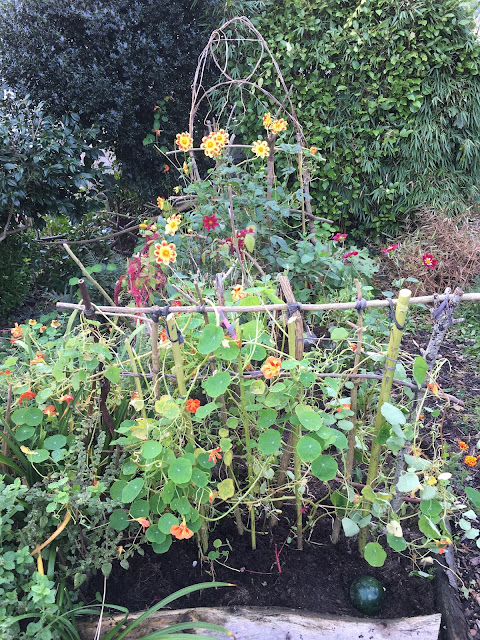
[453,241]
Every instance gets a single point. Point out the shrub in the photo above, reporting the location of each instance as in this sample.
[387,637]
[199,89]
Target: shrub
[15,274]
[389,93]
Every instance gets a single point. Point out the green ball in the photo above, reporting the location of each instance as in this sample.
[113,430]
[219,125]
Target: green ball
[367,595]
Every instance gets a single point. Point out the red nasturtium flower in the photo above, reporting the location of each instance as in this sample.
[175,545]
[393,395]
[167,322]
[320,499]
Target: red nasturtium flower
[429,261]
[26,395]
[166,168]
[214,455]
[463,445]
[350,254]
[66,398]
[210,222]
[470,461]
[192,405]
[181,532]
[7,372]
[271,367]
[339,237]
[38,358]
[392,247]
[50,411]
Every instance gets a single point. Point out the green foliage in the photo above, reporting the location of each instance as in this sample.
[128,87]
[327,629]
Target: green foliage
[16,274]
[112,61]
[388,92]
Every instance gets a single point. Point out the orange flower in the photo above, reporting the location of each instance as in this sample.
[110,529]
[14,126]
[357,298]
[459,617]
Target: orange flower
[260,148]
[66,398]
[39,359]
[163,336]
[238,293]
[463,445]
[26,395]
[32,322]
[471,461]
[157,132]
[55,324]
[160,203]
[279,125]
[221,137]
[344,406]
[271,367]
[165,252]
[5,373]
[214,455]
[434,388]
[442,545]
[186,170]
[50,411]
[211,146]
[192,405]
[313,150]
[166,168]
[267,120]
[184,141]
[43,328]
[16,331]
[181,532]
[212,495]
[144,522]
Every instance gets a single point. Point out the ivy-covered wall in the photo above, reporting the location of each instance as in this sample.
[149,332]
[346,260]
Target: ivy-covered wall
[390,94]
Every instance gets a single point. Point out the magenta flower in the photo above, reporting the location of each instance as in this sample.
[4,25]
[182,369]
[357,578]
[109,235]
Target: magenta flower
[392,247]
[210,222]
[339,237]
[429,261]
[348,255]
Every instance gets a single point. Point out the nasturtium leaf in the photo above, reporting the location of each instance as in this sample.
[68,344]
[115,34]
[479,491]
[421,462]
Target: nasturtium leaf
[117,488]
[199,478]
[392,414]
[182,505]
[168,492]
[153,534]
[217,384]
[346,425]
[350,528]
[340,441]
[428,528]
[180,471]
[140,509]
[473,495]
[226,489]
[129,468]
[132,489]
[229,352]
[156,503]
[269,441]
[112,374]
[162,547]
[472,533]
[325,468]
[309,418]
[308,448]
[24,433]
[170,410]
[428,492]
[167,521]
[210,339]
[465,524]
[420,464]
[420,369]
[408,482]
[40,455]
[204,410]
[431,508]
[338,333]
[32,416]
[119,519]
[375,554]
[397,544]
[58,454]
[18,416]
[266,417]
[58,441]
[151,449]
[257,387]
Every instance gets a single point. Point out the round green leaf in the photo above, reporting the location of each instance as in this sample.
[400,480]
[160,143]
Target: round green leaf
[162,547]
[40,455]
[325,468]
[309,418]
[375,555]
[269,441]
[117,488]
[392,414]
[155,535]
[397,544]
[24,433]
[58,441]
[119,520]
[217,384]
[139,509]
[18,416]
[210,339]
[431,508]
[166,522]
[308,449]
[180,471]
[151,449]
[199,478]
[32,416]
[350,528]
[132,489]
[266,417]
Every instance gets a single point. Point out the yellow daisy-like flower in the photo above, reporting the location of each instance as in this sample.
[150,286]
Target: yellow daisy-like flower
[184,141]
[165,252]
[160,203]
[238,293]
[221,137]
[173,222]
[211,146]
[267,120]
[260,149]
[279,125]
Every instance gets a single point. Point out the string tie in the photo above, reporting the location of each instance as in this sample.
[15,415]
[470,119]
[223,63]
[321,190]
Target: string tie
[293,307]
[392,317]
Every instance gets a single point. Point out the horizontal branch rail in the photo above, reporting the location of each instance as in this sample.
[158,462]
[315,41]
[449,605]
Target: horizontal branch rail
[330,306]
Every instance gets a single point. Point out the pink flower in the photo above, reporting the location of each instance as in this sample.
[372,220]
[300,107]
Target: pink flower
[339,237]
[392,247]
[429,261]
[351,253]
[210,222]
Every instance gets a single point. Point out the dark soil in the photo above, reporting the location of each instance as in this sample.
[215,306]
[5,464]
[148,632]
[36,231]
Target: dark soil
[317,578]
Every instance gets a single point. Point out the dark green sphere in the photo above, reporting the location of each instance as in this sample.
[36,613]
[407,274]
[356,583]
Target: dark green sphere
[367,595]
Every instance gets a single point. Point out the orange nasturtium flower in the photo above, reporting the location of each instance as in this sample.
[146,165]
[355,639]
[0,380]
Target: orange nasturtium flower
[16,331]
[313,150]
[50,411]
[238,293]
[192,405]
[26,395]
[279,125]
[165,252]
[184,141]
[144,522]
[43,328]
[214,455]
[443,544]
[173,223]
[181,532]
[271,367]
[66,398]
[38,358]
[55,324]
[434,388]
[463,445]
[471,461]
[267,120]
[344,406]
[260,148]
[211,146]
[32,322]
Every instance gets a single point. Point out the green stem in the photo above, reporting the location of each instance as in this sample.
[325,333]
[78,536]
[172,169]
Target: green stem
[297,434]
[133,364]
